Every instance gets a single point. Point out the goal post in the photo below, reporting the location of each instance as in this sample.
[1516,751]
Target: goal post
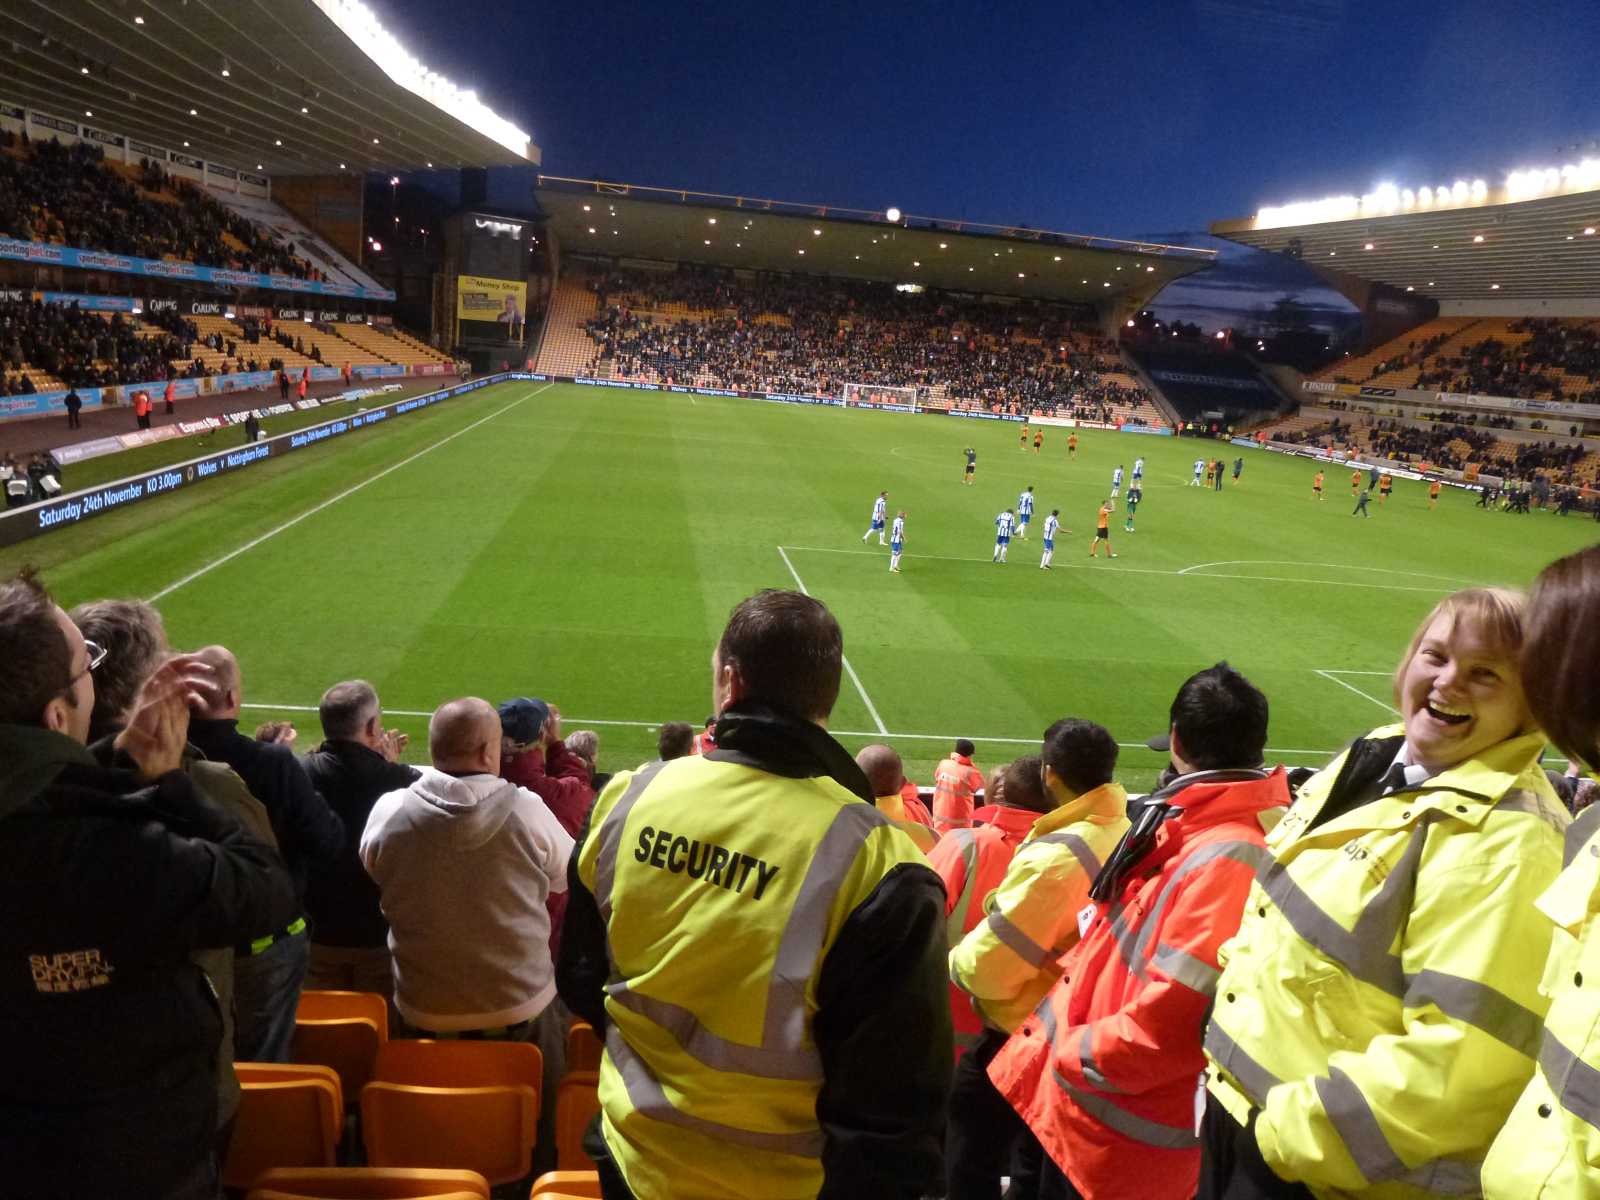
[878,394]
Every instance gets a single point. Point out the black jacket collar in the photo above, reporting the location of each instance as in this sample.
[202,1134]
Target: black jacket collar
[756,735]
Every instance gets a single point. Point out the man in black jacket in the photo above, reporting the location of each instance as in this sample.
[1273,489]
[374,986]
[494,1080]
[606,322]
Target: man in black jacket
[113,870]
[357,763]
[268,972]
[842,1057]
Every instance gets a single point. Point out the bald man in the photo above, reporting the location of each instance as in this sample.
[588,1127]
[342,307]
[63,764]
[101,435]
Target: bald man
[886,773]
[269,972]
[464,862]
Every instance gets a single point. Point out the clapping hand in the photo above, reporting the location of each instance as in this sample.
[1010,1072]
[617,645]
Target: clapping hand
[158,722]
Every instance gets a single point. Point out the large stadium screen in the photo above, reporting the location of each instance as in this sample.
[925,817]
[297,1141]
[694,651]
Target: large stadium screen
[491,308]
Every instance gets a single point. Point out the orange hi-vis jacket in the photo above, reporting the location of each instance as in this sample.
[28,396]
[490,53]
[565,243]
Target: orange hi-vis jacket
[972,862]
[1106,1071]
[956,783]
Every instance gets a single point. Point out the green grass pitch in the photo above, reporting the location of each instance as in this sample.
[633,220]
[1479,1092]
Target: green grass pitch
[586,545]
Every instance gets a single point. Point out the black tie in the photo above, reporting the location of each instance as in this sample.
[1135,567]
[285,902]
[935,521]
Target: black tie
[1394,779]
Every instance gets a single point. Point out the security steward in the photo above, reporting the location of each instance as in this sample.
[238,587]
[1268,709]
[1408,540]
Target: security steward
[762,950]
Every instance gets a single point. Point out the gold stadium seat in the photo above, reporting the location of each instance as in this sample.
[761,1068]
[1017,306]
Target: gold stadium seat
[577,1101]
[566,1185]
[369,1183]
[342,1030]
[289,1116]
[583,1048]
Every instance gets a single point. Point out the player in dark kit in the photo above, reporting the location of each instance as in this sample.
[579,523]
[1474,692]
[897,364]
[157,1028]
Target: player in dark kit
[972,463]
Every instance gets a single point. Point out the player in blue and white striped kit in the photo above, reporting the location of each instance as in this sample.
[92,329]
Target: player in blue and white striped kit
[1116,482]
[1138,469]
[1024,511]
[1003,525]
[880,510]
[897,540]
[1051,524]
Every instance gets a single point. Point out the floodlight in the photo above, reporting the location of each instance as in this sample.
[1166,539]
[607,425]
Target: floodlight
[892,216]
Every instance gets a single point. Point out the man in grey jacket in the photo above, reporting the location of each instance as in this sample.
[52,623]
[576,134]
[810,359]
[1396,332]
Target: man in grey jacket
[464,861]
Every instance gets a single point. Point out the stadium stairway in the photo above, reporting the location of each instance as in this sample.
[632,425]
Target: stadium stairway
[566,349]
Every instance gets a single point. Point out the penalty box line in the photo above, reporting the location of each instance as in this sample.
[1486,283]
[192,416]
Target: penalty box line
[947,738]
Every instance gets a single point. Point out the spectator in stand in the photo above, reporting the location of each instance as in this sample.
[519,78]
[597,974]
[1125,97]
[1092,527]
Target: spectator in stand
[357,762]
[956,783]
[533,756]
[270,970]
[464,861]
[1008,962]
[1104,1073]
[114,871]
[886,776]
[810,981]
[1357,1064]
[585,743]
[675,740]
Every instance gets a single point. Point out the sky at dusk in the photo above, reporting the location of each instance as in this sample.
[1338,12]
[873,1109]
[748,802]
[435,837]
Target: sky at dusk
[1131,120]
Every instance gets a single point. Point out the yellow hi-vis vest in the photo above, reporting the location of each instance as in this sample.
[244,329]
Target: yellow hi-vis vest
[723,888]
[1550,1147]
[1378,1008]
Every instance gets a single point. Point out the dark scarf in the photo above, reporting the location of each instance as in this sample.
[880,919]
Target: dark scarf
[756,735]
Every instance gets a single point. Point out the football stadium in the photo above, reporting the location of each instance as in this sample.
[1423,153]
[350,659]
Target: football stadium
[982,662]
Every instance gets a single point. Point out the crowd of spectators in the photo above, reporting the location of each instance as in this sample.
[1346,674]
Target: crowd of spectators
[79,347]
[70,195]
[1022,977]
[811,335]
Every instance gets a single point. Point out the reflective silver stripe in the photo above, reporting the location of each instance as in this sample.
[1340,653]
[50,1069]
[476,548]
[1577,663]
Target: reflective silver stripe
[648,1098]
[1140,1129]
[801,943]
[1134,944]
[1364,951]
[1363,1137]
[1358,1128]
[1479,1005]
[1024,947]
[1579,833]
[1194,973]
[1250,1075]
[1576,1084]
[1080,850]
[955,923]
[715,1052]
[1091,1069]
[605,863]
[1523,801]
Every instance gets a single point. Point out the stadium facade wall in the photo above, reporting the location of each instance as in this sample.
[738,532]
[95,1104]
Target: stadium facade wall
[121,148]
[1520,308]
[1561,408]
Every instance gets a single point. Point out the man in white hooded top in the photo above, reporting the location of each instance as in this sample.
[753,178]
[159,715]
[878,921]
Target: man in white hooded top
[464,861]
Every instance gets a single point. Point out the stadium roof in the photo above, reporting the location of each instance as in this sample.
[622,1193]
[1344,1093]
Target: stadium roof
[629,221]
[1475,244]
[291,86]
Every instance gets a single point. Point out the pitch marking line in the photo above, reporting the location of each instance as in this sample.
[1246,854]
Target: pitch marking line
[349,491]
[1292,562]
[1333,677]
[1385,587]
[849,670]
[579,722]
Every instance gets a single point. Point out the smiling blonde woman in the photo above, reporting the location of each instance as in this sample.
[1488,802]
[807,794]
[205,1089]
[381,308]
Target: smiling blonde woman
[1378,1013]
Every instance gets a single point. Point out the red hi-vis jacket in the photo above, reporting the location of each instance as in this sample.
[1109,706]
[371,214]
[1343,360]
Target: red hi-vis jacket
[972,862]
[955,784]
[1107,1070]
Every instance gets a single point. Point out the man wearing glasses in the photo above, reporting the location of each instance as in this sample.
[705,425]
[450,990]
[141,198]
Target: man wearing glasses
[113,869]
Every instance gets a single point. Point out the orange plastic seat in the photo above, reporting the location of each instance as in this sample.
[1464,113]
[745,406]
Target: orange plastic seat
[289,1116]
[563,1185]
[485,1129]
[349,1046]
[583,1048]
[369,1183]
[577,1101]
[454,1104]
[344,1006]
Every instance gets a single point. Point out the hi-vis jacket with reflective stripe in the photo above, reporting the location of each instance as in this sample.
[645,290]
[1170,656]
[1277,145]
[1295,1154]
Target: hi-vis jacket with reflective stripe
[1008,963]
[725,889]
[1379,1005]
[956,783]
[1550,1148]
[970,862]
[1105,1072]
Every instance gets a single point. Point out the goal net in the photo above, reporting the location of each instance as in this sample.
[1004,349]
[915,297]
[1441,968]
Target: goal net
[879,393]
